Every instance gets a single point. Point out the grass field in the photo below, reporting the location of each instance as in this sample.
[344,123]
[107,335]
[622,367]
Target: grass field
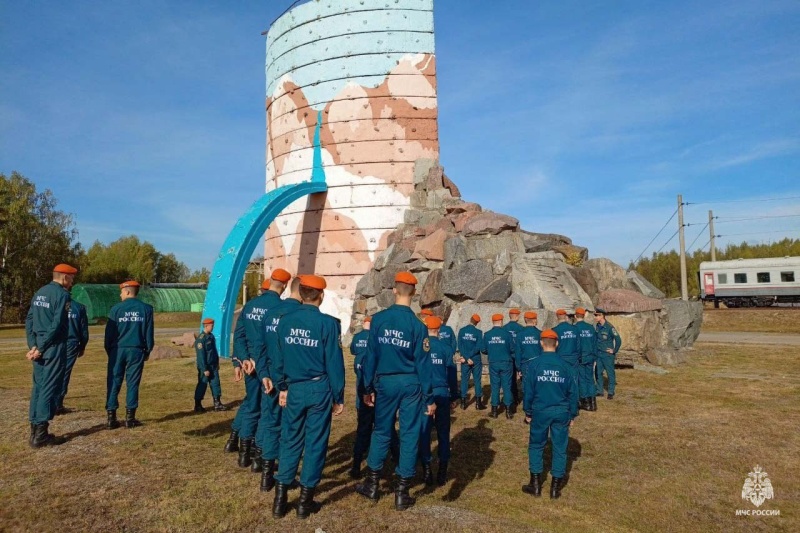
[670,453]
[765,320]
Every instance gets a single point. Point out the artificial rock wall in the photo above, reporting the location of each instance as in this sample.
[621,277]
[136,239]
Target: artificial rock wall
[351,98]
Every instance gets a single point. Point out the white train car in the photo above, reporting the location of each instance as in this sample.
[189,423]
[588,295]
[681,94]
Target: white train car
[751,282]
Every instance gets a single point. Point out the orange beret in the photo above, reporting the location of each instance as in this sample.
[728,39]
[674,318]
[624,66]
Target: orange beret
[496,317]
[313,282]
[281,275]
[580,311]
[130,283]
[265,284]
[531,314]
[367,319]
[208,321]
[549,334]
[560,312]
[405,277]
[476,318]
[433,322]
[426,312]
[64,268]
[514,312]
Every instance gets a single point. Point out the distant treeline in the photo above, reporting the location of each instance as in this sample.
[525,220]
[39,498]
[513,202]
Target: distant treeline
[664,269]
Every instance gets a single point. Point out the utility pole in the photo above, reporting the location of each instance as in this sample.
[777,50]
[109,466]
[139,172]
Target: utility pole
[681,238]
[711,229]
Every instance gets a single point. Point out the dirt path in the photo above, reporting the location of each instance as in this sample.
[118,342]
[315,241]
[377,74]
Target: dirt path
[745,337]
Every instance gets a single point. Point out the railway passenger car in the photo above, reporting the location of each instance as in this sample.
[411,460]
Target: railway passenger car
[751,282]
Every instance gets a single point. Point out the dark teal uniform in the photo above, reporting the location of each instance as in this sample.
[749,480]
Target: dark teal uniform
[470,340]
[551,401]
[448,336]
[77,340]
[607,339]
[128,343]
[527,348]
[397,368]
[248,343]
[499,346]
[587,348]
[568,344]
[445,391]
[46,327]
[207,361]
[365,415]
[309,365]
[268,436]
[514,327]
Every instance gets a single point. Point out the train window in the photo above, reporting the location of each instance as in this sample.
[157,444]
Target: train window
[787,277]
[740,278]
[722,279]
[763,277]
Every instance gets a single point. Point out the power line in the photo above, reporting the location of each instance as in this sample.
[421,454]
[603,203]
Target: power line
[698,236]
[743,201]
[657,234]
[668,241]
[734,219]
[706,244]
[759,232]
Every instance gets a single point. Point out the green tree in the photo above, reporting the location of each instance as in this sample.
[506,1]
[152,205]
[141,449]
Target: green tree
[34,237]
[199,276]
[130,258]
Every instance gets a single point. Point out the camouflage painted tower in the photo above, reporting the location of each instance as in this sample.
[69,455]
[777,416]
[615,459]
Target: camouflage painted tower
[351,93]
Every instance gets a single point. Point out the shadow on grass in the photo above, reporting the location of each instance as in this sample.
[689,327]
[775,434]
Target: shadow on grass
[183,414]
[85,432]
[217,429]
[574,450]
[474,446]
[337,462]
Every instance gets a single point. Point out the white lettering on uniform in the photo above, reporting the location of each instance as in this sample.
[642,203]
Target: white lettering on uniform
[437,361]
[551,376]
[301,337]
[394,337]
[568,335]
[469,337]
[497,340]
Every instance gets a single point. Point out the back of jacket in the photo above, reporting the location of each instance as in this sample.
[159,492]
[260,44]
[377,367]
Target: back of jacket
[46,323]
[470,340]
[130,325]
[498,345]
[550,385]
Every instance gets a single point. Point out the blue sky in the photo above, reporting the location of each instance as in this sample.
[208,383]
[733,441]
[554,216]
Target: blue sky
[580,118]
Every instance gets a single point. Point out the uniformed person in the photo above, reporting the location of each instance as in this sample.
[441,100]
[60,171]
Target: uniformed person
[587,348]
[445,394]
[77,340]
[207,368]
[248,345]
[128,343]
[513,326]
[470,339]
[397,377]
[527,347]
[309,371]
[551,404]
[608,344]
[498,344]
[567,340]
[46,328]
[365,414]
[268,436]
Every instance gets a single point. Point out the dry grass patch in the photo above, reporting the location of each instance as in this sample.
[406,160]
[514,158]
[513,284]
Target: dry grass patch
[764,320]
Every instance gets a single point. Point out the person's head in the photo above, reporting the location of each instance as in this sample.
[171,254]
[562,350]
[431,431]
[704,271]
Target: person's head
[600,316]
[367,322]
[426,313]
[277,280]
[208,325]
[312,289]
[64,275]
[405,285]
[475,319]
[128,289]
[497,319]
[580,314]
[531,318]
[549,340]
[294,289]
[561,315]
[513,315]
[433,323]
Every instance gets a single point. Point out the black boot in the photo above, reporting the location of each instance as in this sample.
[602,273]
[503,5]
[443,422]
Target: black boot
[112,422]
[198,407]
[493,413]
[402,500]
[555,488]
[441,474]
[610,397]
[218,405]
[42,437]
[130,419]
[369,488]
[258,462]
[534,486]
[463,403]
[479,405]
[306,504]
[355,470]
[60,409]
[427,474]
[279,505]
[582,404]
[592,403]
[245,453]
[233,442]
[268,476]
[33,434]
[509,411]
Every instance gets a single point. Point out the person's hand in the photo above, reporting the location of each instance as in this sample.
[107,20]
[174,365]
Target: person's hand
[453,405]
[462,360]
[528,420]
[519,375]
[248,366]
[207,374]
[282,398]
[572,422]
[267,385]
[431,409]
[609,350]
[369,400]
[237,373]
[33,354]
[338,408]
[470,362]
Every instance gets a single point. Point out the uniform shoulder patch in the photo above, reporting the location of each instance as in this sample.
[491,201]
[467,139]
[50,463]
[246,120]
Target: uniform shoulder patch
[613,331]
[426,345]
[199,344]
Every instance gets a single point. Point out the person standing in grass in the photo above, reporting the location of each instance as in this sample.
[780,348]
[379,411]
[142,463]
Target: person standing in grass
[608,344]
[207,368]
[470,339]
[77,340]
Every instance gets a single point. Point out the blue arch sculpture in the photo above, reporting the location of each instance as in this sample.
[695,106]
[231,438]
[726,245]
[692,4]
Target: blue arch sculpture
[223,287]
